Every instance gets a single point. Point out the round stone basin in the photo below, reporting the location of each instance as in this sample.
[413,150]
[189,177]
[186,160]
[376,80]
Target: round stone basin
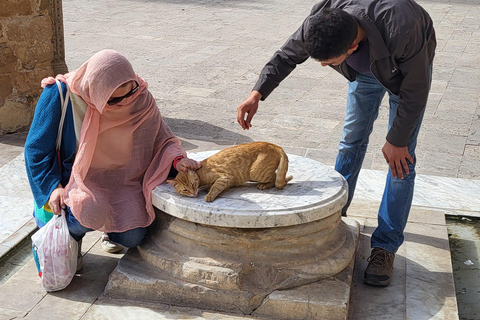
[315,192]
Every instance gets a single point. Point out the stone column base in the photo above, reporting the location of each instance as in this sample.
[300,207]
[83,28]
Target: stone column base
[136,279]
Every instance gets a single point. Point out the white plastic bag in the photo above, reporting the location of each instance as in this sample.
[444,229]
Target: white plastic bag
[55,252]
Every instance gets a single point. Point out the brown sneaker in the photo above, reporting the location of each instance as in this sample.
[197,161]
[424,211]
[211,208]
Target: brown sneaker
[379,269]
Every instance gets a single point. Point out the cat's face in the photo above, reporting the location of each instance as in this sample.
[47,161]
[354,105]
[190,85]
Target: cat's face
[186,183]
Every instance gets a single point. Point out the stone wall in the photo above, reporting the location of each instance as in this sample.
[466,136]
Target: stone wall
[27,50]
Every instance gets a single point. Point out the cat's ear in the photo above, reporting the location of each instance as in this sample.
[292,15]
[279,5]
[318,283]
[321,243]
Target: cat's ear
[172,182]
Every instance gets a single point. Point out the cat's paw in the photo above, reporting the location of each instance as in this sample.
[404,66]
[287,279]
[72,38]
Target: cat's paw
[265,186]
[209,198]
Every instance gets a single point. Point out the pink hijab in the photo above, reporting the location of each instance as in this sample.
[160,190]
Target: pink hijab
[124,151]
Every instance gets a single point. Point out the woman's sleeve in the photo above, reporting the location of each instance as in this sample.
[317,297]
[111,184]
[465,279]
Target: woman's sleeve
[43,169]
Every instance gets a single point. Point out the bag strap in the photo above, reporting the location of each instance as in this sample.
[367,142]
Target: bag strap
[64,104]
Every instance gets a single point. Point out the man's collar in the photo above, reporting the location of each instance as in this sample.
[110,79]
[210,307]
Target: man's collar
[378,49]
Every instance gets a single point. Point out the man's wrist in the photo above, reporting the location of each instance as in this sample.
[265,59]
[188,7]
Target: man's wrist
[256,95]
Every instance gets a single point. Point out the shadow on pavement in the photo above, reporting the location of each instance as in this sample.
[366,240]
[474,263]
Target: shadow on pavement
[14,139]
[200,130]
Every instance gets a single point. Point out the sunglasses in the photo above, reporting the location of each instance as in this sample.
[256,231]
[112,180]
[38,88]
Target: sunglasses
[116,100]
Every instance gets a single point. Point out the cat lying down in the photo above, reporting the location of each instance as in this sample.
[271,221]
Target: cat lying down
[262,162]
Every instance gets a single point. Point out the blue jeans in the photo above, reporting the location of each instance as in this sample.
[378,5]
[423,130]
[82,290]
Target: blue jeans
[129,238]
[364,98]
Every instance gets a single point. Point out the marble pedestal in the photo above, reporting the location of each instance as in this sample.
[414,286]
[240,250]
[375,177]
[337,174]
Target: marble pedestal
[281,254]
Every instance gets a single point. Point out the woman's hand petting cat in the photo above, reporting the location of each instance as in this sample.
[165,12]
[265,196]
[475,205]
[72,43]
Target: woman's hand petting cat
[56,201]
[185,164]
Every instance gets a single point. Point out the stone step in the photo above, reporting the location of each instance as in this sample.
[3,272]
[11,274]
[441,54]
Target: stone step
[422,286]
[16,205]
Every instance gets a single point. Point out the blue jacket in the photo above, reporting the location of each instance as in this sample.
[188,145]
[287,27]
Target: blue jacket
[41,160]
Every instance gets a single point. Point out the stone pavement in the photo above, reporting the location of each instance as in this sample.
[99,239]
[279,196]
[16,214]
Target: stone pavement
[201,59]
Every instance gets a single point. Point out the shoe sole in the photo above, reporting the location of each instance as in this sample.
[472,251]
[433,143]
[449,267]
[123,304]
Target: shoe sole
[111,250]
[376,282]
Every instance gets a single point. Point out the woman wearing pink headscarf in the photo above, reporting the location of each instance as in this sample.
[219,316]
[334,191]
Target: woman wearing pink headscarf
[115,149]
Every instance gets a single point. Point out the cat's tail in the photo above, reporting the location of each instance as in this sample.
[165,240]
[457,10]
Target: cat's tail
[281,178]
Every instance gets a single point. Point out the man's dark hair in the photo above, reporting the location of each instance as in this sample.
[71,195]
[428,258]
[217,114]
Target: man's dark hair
[330,34]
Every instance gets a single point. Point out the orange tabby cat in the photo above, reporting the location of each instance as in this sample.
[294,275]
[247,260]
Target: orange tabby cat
[262,162]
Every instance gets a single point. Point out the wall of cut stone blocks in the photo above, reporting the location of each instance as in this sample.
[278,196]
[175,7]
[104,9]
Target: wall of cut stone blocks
[26,54]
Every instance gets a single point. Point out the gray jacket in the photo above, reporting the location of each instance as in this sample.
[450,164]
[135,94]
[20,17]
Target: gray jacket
[402,46]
